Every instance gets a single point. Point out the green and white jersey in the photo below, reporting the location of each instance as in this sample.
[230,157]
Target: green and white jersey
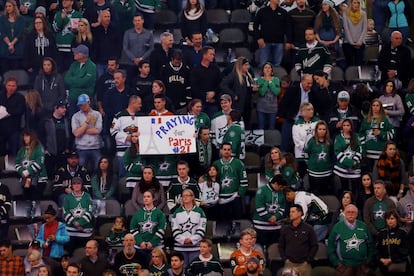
[236,137]
[350,246]
[78,209]
[372,144]
[348,159]
[148,226]
[165,167]
[233,177]
[219,127]
[268,203]
[315,211]
[188,224]
[319,158]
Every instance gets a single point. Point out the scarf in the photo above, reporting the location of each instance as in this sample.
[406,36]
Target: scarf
[194,14]
[204,153]
[389,169]
[355,17]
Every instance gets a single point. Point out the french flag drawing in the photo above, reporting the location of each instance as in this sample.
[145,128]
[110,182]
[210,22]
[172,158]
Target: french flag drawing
[156,121]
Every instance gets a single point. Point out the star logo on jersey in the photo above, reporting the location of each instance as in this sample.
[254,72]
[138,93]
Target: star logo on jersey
[309,131]
[164,166]
[348,153]
[222,131]
[187,226]
[272,208]
[78,211]
[147,226]
[371,136]
[322,155]
[226,182]
[211,194]
[353,243]
[379,214]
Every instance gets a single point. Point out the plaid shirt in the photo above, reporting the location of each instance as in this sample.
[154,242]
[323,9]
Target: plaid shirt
[12,267]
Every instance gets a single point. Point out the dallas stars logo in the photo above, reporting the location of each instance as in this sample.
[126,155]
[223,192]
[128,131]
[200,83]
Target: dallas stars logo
[164,166]
[211,194]
[147,226]
[379,214]
[187,226]
[78,211]
[309,131]
[226,182]
[353,243]
[272,208]
[322,155]
[222,131]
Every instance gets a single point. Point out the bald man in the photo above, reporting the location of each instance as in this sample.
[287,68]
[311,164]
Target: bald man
[354,243]
[129,258]
[93,264]
[394,60]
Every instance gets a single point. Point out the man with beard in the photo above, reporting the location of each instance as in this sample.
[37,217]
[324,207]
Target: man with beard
[192,53]
[312,56]
[64,175]
[105,83]
[129,261]
[253,265]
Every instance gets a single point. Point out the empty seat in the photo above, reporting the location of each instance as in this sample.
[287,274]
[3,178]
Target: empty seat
[272,137]
[14,185]
[252,162]
[217,19]
[129,209]
[165,20]
[337,74]
[240,18]
[231,37]
[331,201]
[279,71]
[44,204]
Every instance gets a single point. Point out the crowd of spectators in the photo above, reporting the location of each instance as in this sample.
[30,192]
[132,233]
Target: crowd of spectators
[94,68]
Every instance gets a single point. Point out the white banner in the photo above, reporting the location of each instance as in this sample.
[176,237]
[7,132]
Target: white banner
[167,134]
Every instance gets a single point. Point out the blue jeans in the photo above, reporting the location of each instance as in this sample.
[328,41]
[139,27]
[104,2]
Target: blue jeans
[266,120]
[321,231]
[90,157]
[272,52]
[121,168]
[379,12]
[287,143]
[100,69]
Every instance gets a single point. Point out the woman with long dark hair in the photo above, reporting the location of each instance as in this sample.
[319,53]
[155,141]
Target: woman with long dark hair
[193,20]
[210,190]
[39,43]
[30,166]
[148,182]
[348,152]
[49,83]
[104,182]
[35,114]
[390,167]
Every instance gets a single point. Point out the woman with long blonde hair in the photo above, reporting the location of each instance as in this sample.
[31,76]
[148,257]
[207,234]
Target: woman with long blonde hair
[84,35]
[375,131]
[355,24]
[34,110]
[30,165]
[239,84]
